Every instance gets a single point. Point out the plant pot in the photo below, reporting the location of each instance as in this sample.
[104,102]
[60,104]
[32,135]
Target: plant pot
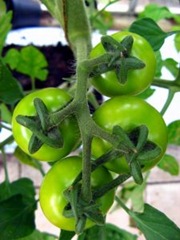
[26,13]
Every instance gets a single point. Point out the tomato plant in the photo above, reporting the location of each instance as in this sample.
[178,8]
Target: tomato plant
[54,99]
[129,112]
[137,80]
[125,134]
[58,179]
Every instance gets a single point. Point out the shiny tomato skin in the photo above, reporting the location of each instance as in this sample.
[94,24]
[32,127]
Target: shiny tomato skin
[137,80]
[60,177]
[128,112]
[54,99]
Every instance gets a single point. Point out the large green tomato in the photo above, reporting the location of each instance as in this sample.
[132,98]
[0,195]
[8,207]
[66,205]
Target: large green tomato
[128,112]
[137,80]
[54,99]
[60,177]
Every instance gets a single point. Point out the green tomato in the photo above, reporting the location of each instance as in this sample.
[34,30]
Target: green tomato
[128,112]
[137,80]
[54,99]
[60,177]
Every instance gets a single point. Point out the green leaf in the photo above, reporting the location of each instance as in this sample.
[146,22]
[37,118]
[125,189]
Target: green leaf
[113,232]
[23,186]
[29,60]
[102,21]
[135,193]
[106,232]
[156,12]
[5,114]
[147,93]
[16,218]
[96,232]
[17,208]
[148,28]
[5,26]
[171,65]
[12,58]
[159,64]
[169,164]
[2,8]
[125,193]
[177,42]
[137,197]
[26,159]
[66,235]
[153,223]
[174,133]
[10,90]
[37,235]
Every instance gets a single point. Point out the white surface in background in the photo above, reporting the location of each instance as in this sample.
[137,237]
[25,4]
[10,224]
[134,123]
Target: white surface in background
[38,36]
[52,35]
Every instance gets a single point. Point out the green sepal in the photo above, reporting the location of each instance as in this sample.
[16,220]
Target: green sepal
[67,212]
[80,225]
[32,124]
[55,135]
[127,44]
[119,58]
[123,66]
[34,144]
[123,139]
[73,195]
[135,169]
[42,112]
[149,152]
[111,45]
[80,209]
[142,137]
[139,136]
[95,216]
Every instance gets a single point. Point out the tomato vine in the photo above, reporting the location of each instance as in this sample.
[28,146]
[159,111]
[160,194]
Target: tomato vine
[124,136]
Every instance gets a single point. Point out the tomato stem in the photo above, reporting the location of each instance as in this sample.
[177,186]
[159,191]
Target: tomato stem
[4,160]
[83,115]
[112,154]
[169,99]
[6,141]
[172,86]
[57,117]
[86,169]
[109,186]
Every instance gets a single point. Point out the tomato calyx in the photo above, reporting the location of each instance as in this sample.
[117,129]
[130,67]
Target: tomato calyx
[80,209]
[118,58]
[42,130]
[137,149]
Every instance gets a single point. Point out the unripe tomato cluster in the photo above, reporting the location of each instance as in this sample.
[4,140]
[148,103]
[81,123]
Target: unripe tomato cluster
[121,109]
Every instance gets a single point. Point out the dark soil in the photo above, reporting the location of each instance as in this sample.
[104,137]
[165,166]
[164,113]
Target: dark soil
[60,65]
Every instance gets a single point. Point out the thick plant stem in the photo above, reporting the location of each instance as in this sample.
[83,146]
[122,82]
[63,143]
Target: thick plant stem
[84,120]
[86,169]
[83,116]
